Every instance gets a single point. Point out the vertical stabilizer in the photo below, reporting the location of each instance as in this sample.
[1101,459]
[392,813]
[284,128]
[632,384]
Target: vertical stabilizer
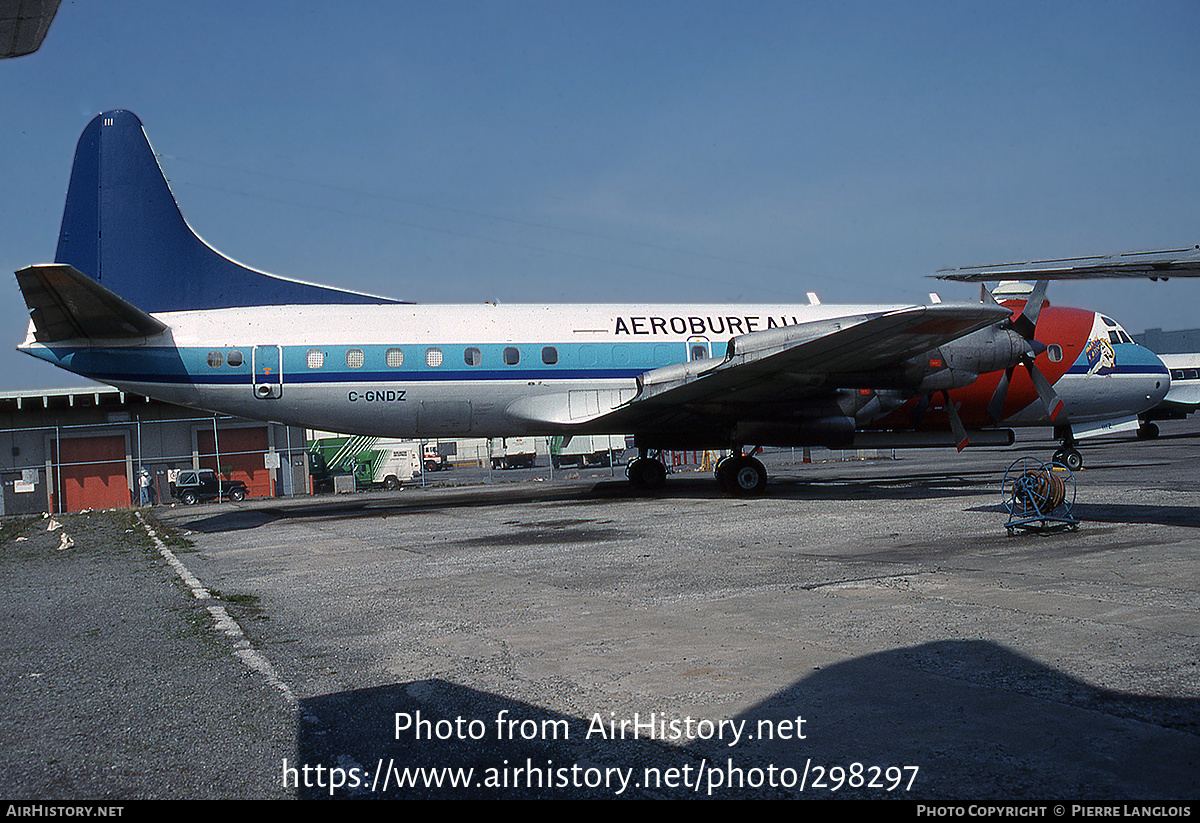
[122,227]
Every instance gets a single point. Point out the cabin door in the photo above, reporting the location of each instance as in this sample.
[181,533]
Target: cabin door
[268,372]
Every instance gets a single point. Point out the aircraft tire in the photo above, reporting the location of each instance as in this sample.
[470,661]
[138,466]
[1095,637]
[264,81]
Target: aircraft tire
[1147,431]
[721,472]
[745,476]
[1071,458]
[646,473]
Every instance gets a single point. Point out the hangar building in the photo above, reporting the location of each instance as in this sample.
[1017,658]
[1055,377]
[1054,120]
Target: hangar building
[76,449]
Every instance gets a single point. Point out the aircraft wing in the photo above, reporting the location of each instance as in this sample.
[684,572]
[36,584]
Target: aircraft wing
[770,367]
[23,25]
[64,304]
[1152,264]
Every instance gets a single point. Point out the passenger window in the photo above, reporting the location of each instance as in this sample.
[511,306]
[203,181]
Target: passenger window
[215,359]
[394,358]
[315,358]
[234,358]
[354,358]
[699,352]
[473,356]
[549,355]
[1054,352]
[512,356]
[433,357]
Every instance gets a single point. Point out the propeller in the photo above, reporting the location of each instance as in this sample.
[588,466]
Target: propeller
[1025,324]
[956,425]
[918,412]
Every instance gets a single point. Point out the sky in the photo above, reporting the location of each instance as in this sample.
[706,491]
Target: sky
[629,152]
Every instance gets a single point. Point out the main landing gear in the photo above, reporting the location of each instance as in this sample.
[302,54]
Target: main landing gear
[1067,454]
[647,470]
[739,474]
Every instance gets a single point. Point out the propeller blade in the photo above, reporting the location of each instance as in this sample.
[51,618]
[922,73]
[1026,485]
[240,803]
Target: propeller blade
[918,412]
[956,425]
[1026,322]
[1050,398]
[995,407]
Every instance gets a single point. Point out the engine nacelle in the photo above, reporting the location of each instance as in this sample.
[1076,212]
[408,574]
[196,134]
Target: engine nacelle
[960,363]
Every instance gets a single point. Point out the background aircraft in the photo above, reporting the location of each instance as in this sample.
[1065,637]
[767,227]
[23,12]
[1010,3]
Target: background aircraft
[23,25]
[138,301]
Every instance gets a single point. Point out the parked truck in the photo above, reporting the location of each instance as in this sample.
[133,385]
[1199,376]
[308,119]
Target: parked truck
[373,462]
[587,450]
[512,452]
[434,458]
[189,486]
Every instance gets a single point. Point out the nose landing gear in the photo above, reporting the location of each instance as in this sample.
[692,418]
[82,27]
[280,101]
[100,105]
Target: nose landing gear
[1067,454]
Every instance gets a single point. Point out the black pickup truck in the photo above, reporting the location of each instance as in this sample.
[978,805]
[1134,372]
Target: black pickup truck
[197,486]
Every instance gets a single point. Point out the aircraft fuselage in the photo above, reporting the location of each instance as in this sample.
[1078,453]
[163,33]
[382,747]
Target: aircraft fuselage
[413,370]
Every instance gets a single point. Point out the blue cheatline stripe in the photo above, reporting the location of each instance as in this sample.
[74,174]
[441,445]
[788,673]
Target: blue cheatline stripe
[1130,359]
[190,365]
[317,378]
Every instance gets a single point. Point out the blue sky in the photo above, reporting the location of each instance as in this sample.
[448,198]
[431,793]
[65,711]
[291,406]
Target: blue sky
[630,152]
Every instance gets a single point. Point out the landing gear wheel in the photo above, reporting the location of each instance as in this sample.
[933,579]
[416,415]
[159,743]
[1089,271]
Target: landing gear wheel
[1071,458]
[742,476]
[646,473]
[1147,431]
[721,473]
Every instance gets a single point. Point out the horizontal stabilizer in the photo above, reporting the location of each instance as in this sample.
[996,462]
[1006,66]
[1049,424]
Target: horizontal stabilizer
[1152,264]
[66,304]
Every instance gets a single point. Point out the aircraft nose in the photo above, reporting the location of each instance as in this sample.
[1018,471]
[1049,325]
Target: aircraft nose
[1162,385]
[1155,376]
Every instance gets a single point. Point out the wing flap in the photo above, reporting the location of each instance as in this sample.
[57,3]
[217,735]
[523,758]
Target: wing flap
[66,304]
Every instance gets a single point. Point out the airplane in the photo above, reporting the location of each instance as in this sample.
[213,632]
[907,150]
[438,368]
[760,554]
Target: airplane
[137,300]
[23,25]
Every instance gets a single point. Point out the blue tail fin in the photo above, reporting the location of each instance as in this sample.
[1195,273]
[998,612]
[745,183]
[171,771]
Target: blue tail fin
[121,227]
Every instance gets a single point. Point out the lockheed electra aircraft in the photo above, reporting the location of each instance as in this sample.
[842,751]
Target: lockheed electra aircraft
[136,300]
